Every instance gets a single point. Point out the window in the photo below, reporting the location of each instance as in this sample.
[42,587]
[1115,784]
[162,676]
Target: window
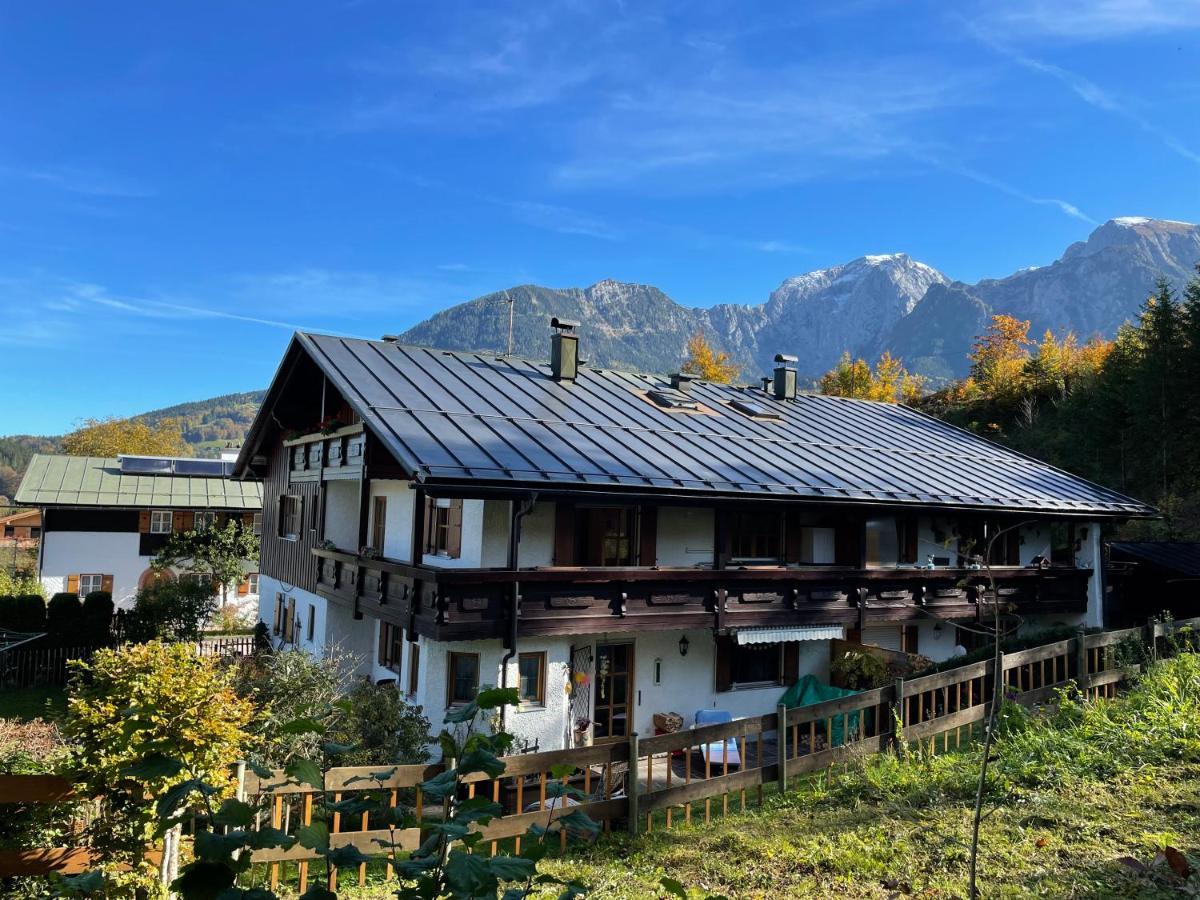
[378,523]
[289,517]
[1062,544]
[256,523]
[757,664]
[757,536]
[89,583]
[289,622]
[443,527]
[609,536]
[312,622]
[883,542]
[277,628]
[391,646]
[204,521]
[252,583]
[414,667]
[531,679]
[202,579]
[463,680]
[9,531]
[160,521]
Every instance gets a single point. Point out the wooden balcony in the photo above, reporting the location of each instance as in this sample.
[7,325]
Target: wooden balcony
[327,457]
[461,604]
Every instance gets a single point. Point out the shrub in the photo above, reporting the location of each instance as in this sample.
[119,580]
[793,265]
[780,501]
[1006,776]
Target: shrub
[97,615]
[383,729]
[170,611]
[24,612]
[64,614]
[143,720]
[859,671]
[14,584]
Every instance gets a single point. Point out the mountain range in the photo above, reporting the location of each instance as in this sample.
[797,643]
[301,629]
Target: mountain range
[874,303]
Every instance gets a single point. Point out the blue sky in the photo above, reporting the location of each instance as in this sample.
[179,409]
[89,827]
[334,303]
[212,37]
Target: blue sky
[182,184]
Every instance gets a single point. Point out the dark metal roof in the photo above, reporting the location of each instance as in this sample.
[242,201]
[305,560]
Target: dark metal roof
[1179,557]
[453,417]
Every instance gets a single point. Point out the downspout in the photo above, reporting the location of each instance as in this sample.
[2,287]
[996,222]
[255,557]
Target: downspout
[510,641]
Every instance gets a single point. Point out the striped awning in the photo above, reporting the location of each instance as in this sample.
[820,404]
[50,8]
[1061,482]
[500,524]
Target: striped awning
[796,633]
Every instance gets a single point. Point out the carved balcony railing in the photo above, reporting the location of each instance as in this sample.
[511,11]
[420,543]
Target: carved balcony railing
[475,603]
[338,454]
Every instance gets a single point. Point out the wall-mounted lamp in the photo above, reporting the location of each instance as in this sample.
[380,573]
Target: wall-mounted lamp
[683,645]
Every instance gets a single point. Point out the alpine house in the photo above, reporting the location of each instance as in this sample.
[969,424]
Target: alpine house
[616,545]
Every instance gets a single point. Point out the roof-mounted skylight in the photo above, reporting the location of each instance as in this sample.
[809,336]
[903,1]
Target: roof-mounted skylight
[672,399]
[753,408]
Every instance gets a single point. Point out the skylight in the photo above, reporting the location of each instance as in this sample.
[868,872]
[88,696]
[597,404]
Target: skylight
[673,399]
[753,408]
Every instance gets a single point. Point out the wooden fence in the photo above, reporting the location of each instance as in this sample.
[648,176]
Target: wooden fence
[38,666]
[656,782]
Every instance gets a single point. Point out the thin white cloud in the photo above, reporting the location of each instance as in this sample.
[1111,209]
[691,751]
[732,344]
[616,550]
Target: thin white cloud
[1088,20]
[77,180]
[1087,90]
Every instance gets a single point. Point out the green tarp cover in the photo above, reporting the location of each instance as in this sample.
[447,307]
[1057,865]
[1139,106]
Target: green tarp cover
[809,690]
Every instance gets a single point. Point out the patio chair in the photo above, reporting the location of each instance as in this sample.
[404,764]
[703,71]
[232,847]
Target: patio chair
[717,753]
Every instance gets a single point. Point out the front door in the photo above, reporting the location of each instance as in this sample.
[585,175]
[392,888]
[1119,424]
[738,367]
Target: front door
[611,720]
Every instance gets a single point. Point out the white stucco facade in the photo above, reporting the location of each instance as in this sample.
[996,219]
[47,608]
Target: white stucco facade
[115,553]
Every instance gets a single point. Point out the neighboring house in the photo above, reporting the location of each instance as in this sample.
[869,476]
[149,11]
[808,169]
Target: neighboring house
[103,520]
[1168,571]
[615,545]
[22,527]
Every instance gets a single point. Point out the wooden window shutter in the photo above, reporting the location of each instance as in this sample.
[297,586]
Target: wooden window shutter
[106,583]
[454,529]
[72,584]
[909,545]
[430,518]
[791,662]
[177,521]
[564,534]
[187,520]
[243,586]
[144,521]
[791,536]
[383,643]
[724,663]
[648,536]
[247,520]
[1012,548]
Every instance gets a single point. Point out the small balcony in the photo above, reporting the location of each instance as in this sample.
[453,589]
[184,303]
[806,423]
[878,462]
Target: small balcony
[460,604]
[320,456]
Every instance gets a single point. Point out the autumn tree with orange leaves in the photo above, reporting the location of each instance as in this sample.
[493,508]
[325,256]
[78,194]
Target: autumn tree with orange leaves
[709,364]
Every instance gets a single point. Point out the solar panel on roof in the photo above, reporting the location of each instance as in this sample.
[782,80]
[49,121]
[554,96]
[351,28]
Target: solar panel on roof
[144,465]
[673,399]
[210,467]
[750,408]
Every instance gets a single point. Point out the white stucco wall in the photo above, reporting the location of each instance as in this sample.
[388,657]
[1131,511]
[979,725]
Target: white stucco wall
[397,529]
[497,517]
[114,553]
[685,536]
[537,537]
[269,588]
[341,514]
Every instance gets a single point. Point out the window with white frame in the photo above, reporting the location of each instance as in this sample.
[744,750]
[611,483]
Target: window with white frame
[204,520]
[256,523]
[252,583]
[160,521]
[202,579]
[89,583]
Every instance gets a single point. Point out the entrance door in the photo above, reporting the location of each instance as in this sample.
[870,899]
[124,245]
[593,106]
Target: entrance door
[614,692]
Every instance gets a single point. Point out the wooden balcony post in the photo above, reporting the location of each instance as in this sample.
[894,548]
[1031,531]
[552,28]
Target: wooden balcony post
[1081,663]
[631,791]
[781,753]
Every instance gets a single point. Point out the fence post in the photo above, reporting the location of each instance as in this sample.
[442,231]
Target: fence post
[782,751]
[898,713]
[1081,663]
[1152,638]
[632,790]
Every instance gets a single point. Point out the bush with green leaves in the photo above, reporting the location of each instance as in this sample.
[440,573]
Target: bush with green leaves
[151,722]
[64,614]
[22,581]
[23,612]
[173,610]
[381,727]
[97,615]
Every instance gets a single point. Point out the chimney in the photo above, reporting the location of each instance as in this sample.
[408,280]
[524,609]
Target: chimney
[390,338]
[564,349]
[785,377]
[682,382]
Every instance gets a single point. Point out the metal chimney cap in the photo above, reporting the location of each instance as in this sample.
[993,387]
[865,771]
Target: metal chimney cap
[563,324]
[786,358]
[390,338]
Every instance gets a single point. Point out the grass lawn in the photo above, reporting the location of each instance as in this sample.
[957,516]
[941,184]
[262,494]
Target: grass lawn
[32,703]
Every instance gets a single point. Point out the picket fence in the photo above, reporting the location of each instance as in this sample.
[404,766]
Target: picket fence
[47,666]
[642,784]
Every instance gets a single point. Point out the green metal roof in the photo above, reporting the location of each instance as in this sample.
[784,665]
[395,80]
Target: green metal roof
[98,481]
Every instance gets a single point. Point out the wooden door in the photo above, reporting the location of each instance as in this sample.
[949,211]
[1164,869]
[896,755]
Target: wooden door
[612,717]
